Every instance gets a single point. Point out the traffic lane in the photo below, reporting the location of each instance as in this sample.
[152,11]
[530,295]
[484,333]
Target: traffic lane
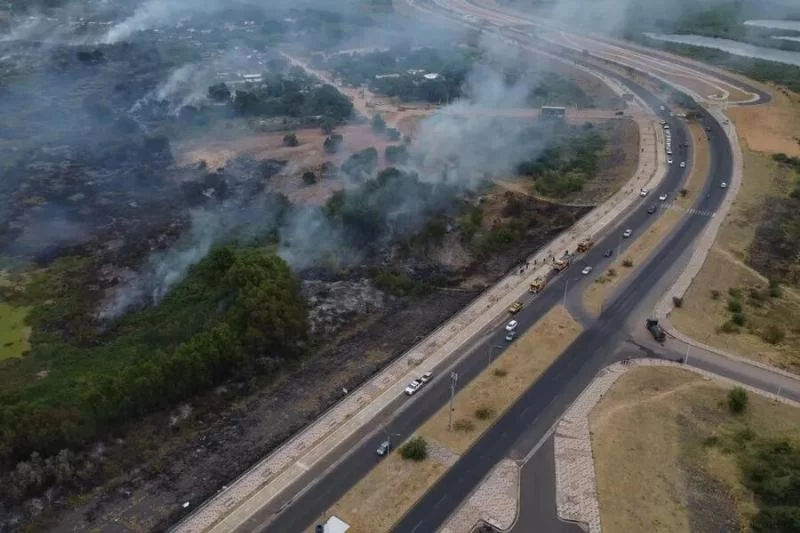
[537,512]
[298,513]
[746,374]
[537,410]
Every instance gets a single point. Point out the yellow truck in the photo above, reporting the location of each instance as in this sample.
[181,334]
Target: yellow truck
[584,245]
[515,308]
[537,285]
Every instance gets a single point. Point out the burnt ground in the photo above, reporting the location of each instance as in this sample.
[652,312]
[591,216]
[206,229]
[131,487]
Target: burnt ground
[774,250]
[163,464]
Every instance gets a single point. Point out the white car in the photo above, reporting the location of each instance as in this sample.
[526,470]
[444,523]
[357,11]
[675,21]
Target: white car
[643,192]
[426,377]
[669,161]
[511,326]
[413,387]
[586,271]
[683,164]
[510,335]
[663,198]
[627,233]
[723,185]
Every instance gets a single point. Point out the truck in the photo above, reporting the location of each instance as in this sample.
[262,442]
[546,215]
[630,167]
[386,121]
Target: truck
[561,264]
[537,285]
[656,330]
[585,244]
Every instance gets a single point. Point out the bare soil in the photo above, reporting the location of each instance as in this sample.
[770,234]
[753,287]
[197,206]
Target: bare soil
[652,429]
[772,128]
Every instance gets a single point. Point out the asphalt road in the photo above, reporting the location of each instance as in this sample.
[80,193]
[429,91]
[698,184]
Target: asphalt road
[528,420]
[543,403]
[537,495]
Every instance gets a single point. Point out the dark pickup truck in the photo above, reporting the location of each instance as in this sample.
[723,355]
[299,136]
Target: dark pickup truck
[655,330]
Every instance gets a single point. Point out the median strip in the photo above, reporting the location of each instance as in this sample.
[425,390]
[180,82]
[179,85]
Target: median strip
[384,495]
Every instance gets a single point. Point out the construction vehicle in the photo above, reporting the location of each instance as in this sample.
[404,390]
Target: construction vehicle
[537,285]
[656,330]
[585,244]
[561,264]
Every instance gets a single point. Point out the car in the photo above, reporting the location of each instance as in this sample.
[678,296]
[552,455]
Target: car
[586,270]
[661,108]
[413,387]
[608,253]
[663,121]
[651,209]
[511,326]
[683,164]
[666,126]
[426,377]
[627,233]
[723,185]
[510,335]
[669,161]
[643,192]
[515,308]
[663,197]
[384,447]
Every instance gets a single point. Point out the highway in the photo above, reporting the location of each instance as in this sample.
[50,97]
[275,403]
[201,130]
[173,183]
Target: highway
[531,417]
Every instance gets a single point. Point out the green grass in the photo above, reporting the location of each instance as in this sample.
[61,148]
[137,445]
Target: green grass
[14,332]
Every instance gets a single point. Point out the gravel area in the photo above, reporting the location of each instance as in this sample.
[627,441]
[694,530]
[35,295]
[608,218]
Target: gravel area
[493,502]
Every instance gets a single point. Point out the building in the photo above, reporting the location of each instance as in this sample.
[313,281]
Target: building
[334,525]
[552,112]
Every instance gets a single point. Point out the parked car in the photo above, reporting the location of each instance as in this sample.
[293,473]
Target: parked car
[651,209]
[511,326]
[663,197]
[683,164]
[608,253]
[515,308]
[510,335]
[426,377]
[413,387]
[627,233]
[723,185]
[643,192]
[586,270]
[669,161]
[383,449]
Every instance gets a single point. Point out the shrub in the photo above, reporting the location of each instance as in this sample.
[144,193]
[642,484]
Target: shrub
[729,327]
[378,124]
[627,263]
[290,139]
[332,143]
[734,305]
[463,424]
[684,192]
[737,400]
[773,334]
[774,289]
[392,134]
[677,301]
[484,413]
[738,319]
[733,292]
[715,294]
[500,372]
[415,449]
[612,272]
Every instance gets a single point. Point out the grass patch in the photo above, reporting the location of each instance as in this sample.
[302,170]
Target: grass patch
[14,332]
[671,431]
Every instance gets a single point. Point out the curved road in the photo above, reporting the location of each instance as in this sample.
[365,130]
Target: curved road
[531,417]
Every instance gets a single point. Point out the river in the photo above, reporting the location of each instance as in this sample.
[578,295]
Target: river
[732,47]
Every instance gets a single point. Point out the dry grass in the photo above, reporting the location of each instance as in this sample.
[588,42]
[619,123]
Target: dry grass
[645,244]
[14,333]
[386,493]
[391,488]
[771,128]
[701,315]
[652,430]
[524,362]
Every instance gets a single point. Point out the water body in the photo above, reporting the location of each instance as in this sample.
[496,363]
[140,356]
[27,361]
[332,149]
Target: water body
[785,38]
[732,47]
[775,24]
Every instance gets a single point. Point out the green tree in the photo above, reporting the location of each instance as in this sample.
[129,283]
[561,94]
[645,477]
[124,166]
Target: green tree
[378,124]
[290,139]
[737,400]
[415,449]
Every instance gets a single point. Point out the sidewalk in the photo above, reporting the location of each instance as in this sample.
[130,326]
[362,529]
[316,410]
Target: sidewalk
[230,508]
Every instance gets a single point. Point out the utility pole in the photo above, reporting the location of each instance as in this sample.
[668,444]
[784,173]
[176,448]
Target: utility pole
[453,381]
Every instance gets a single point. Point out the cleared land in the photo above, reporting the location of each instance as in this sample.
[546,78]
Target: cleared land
[13,331]
[706,308]
[770,128]
[645,244]
[670,431]
[391,488]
